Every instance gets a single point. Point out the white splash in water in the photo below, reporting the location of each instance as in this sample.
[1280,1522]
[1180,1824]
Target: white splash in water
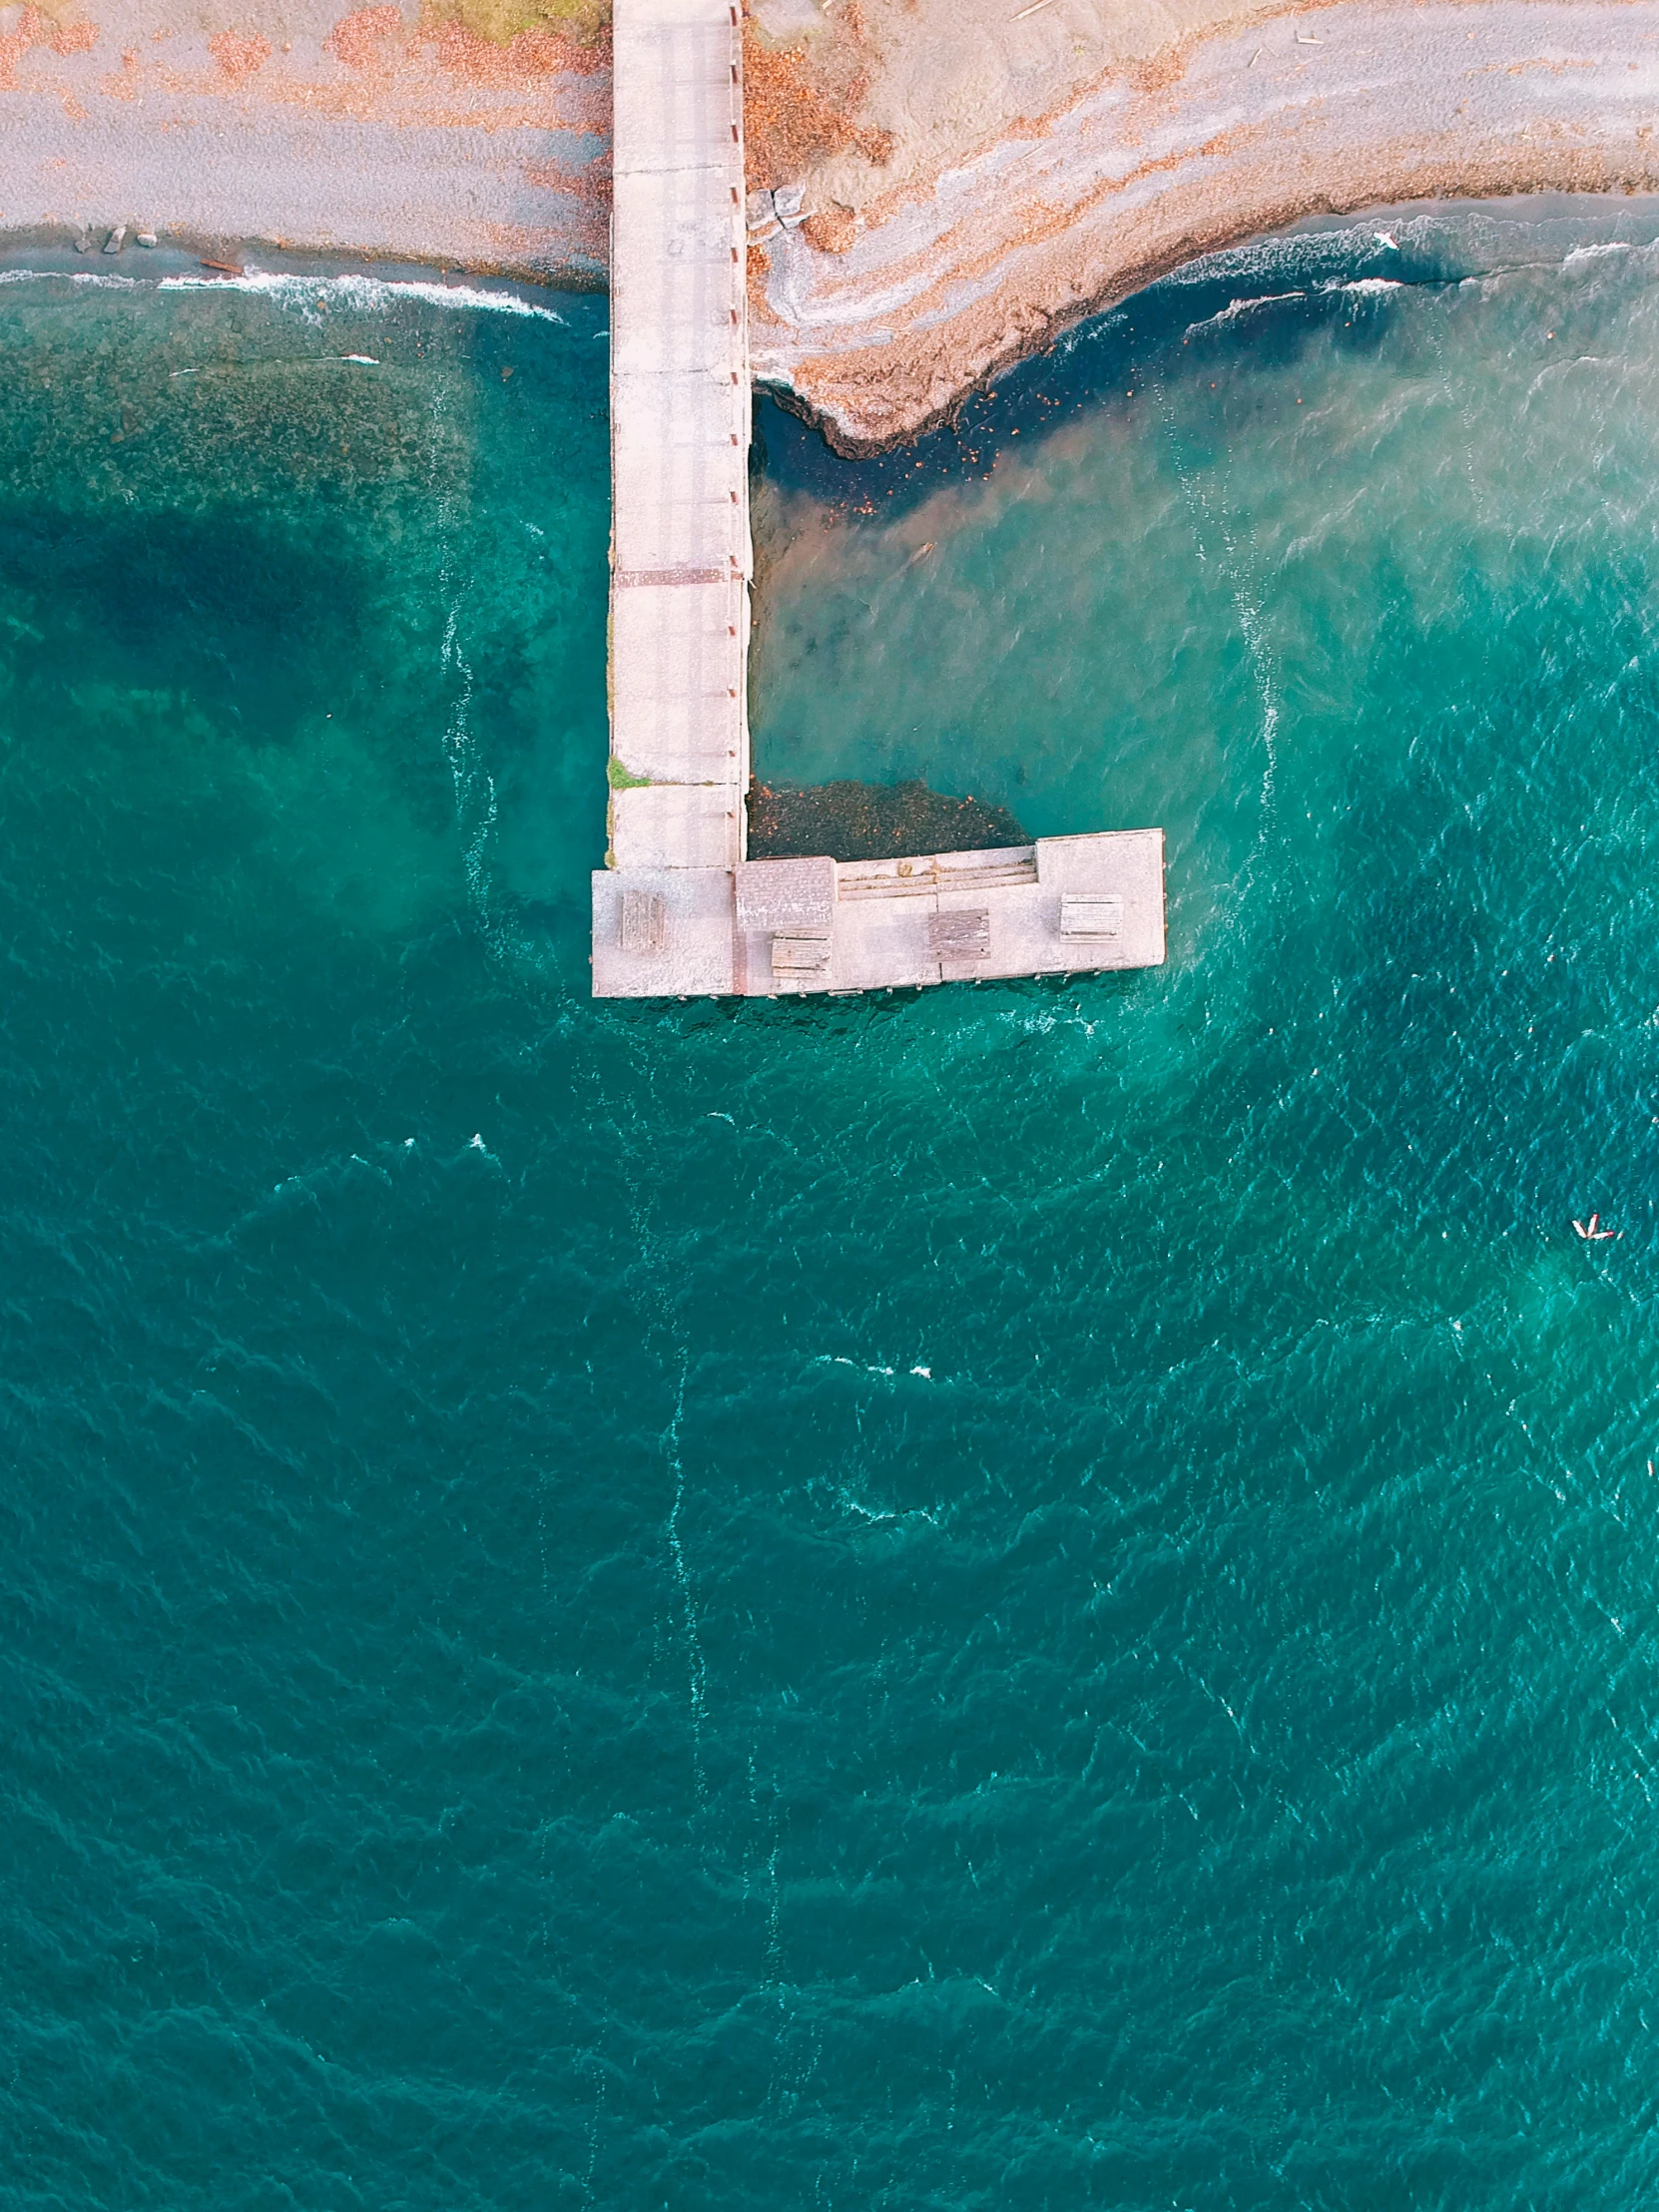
[362,295]
[70,277]
[303,360]
[1245,601]
[358,295]
[475,798]
[681,1575]
[1235,308]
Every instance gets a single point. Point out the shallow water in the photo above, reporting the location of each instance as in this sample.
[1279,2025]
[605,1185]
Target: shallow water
[1023,1596]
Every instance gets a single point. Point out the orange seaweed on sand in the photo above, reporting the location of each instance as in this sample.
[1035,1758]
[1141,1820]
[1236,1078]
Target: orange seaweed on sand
[477,60]
[793,116]
[39,29]
[238,58]
[832,230]
[355,38]
[364,41]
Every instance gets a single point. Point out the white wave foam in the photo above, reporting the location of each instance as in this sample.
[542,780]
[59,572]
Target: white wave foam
[1237,307]
[1364,284]
[320,360]
[364,294]
[70,277]
[1581,253]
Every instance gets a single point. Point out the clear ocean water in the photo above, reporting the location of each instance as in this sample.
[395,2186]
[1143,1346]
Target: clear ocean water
[1029,1596]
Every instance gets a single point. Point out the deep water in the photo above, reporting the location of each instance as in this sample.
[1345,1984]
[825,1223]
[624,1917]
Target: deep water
[1025,1596]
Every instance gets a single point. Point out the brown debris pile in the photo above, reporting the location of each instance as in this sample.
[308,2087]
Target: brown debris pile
[374,41]
[513,63]
[355,38]
[797,111]
[832,230]
[505,23]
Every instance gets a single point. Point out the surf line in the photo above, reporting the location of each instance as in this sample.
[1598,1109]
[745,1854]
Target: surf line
[297,360]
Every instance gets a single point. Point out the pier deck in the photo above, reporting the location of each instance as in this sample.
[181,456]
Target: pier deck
[775,928]
[680,411]
[678,910]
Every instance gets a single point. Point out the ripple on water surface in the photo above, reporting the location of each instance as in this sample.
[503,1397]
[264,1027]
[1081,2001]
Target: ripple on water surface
[1030,1595]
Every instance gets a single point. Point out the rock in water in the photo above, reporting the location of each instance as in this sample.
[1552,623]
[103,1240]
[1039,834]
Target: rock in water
[116,239]
[144,238]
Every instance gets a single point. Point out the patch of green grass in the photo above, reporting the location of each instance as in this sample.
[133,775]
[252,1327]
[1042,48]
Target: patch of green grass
[623,779]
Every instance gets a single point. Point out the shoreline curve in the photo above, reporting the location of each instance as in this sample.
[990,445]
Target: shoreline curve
[370,137]
[1246,132]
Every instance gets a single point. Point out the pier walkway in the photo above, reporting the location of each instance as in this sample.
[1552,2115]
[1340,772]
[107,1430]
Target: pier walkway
[678,909]
[679,439]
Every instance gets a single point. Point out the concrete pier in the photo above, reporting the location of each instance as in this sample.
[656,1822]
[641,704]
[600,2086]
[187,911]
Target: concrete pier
[779,928]
[680,419]
[678,909]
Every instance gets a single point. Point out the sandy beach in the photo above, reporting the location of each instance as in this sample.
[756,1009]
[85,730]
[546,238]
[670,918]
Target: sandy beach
[302,127]
[960,179]
[944,262]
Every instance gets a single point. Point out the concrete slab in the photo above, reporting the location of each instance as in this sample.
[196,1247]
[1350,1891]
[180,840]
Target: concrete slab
[691,826]
[953,917]
[680,430]
[681,487]
[677,95]
[691,956]
[785,895]
[674,271]
[1126,865]
[812,926]
[677,667]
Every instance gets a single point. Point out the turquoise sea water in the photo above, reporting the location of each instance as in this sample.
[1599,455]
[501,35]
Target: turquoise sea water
[1028,1596]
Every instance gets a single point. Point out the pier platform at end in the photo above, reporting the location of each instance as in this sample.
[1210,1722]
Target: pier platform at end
[782,929]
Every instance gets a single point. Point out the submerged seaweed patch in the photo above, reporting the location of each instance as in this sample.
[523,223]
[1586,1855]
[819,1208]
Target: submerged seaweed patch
[871,822]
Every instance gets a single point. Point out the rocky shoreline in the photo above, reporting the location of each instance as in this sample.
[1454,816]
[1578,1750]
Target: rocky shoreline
[956,216]
[1312,111]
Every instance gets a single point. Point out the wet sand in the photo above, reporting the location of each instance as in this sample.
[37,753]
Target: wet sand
[1228,134]
[974,176]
